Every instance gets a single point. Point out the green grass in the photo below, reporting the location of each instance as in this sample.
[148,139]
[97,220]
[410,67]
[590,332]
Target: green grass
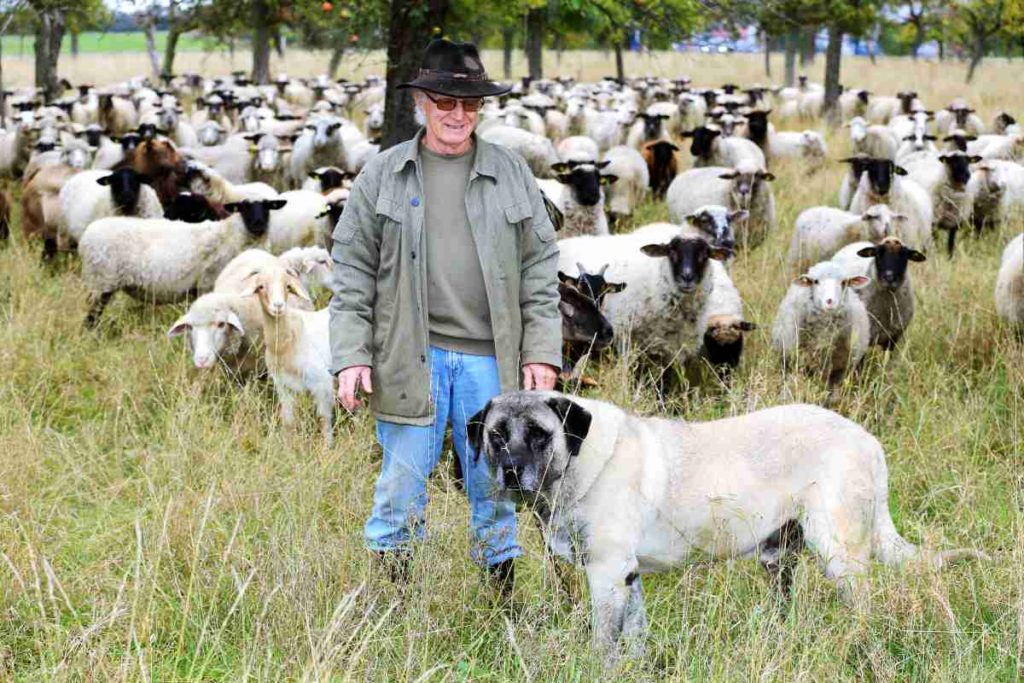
[157,523]
[97,42]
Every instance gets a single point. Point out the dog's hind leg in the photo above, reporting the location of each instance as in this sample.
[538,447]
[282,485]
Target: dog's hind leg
[779,556]
[840,539]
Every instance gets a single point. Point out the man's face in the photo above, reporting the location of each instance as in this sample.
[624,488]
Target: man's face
[450,128]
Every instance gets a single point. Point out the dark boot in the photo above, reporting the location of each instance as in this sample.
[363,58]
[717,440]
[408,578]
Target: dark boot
[503,577]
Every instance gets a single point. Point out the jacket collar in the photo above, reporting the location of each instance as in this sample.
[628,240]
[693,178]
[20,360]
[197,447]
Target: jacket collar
[483,160]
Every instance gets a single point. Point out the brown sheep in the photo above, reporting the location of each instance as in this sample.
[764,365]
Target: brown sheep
[40,205]
[160,161]
[662,165]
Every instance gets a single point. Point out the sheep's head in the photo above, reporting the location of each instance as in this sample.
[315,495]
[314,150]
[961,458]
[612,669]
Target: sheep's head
[331,177]
[880,175]
[858,129]
[582,320]
[716,222]
[688,259]
[703,137]
[212,327]
[255,213]
[881,222]
[746,181]
[584,178]
[958,167]
[829,285]
[210,133]
[653,125]
[125,185]
[891,258]
[273,285]
[593,285]
[958,139]
[728,329]
[757,123]
[323,129]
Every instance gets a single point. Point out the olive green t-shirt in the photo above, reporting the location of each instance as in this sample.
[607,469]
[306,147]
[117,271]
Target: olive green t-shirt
[459,316]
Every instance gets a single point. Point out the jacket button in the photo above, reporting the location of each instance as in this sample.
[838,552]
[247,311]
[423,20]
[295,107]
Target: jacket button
[414,255]
[423,359]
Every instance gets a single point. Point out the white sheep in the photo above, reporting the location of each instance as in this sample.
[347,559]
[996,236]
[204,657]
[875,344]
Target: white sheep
[158,260]
[882,182]
[821,326]
[91,195]
[314,266]
[710,148]
[808,145]
[744,187]
[300,223]
[298,349]
[945,178]
[219,328]
[820,231]
[997,189]
[633,184]
[322,143]
[537,150]
[1004,147]
[577,191]
[208,182]
[577,148]
[889,294]
[1010,284]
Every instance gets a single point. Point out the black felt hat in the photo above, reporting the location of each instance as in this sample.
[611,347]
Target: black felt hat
[455,70]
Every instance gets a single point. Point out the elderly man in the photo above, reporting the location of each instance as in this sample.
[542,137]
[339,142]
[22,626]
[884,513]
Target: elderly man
[446,265]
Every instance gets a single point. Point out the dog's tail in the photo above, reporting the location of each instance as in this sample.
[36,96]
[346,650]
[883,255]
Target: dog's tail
[892,549]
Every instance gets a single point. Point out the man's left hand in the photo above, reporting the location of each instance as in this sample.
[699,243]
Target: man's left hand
[539,376]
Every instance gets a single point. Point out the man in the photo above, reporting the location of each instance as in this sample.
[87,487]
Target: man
[446,265]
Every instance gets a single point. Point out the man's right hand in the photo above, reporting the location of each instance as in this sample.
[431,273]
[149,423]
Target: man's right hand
[348,380]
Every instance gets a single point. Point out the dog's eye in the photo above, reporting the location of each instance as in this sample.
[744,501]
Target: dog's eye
[498,438]
[538,436]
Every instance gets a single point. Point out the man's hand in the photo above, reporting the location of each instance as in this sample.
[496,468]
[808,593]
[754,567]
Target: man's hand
[348,380]
[539,376]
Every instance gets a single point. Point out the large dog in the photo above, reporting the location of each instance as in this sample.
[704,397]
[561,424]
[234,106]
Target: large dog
[624,495]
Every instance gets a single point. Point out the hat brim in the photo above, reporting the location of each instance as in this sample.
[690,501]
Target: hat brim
[457,87]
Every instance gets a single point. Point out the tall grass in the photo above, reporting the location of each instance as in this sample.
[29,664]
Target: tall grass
[156,523]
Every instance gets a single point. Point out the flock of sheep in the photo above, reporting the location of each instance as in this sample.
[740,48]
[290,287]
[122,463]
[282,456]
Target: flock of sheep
[230,191]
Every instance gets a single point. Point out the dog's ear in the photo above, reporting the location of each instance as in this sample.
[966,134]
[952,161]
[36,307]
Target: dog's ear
[575,421]
[475,431]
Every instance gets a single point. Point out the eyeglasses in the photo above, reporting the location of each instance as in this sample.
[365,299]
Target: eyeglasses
[469,104]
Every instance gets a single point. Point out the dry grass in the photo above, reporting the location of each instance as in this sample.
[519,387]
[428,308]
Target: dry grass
[157,524]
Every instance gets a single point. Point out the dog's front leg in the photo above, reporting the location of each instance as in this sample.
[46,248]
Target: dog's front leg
[608,597]
[634,629]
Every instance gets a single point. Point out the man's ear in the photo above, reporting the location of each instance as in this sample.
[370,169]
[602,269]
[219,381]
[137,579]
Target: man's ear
[575,421]
[475,431]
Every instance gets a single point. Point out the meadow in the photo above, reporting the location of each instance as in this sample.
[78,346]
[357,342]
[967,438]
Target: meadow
[157,523]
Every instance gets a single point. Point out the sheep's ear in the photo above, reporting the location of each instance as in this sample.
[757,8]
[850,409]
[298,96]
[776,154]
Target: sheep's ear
[296,288]
[899,170]
[655,250]
[974,159]
[253,284]
[235,322]
[930,137]
[323,214]
[867,252]
[692,219]
[232,207]
[857,281]
[560,167]
[566,308]
[720,253]
[105,180]
[314,174]
[564,178]
[609,179]
[275,204]
[686,134]
[745,326]
[765,175]
[601,164]
[803,281]
[179,328]
[907,138]
[613,287]
[565,277]
[253,137]
[731,175]
[915,255]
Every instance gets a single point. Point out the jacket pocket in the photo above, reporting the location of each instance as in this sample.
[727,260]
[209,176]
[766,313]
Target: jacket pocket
[522,211]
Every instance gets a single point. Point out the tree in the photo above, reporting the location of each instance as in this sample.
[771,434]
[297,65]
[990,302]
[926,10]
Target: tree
[922,15]
[980,21]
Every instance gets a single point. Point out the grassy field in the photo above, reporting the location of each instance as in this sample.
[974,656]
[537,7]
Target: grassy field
[92,42]
[157,523]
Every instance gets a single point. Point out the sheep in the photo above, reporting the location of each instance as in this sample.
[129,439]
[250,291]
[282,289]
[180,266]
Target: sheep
[808,145]
[373,124]
[858,164]
[206,181]
[576,191]
[1005,124]
[820,325]
[660,312]
[1009,292]
[945,178]
[211,133]
[313,264]
[15,149]
[853,104]
[879,142]
[882,108]
[915,146]
[322,143]
[692,111]
[217,330]
[585,330]
[648,127]
[337,199]
[116,114]
[958,139]
[327,178]
[160,161]
[358,153]
[881,183]
[297,348]
[709,148]
[269,160]
[537,150]
[299,223]
[91,195]
[1004,147]
[577,148]
[997,190]
[758,129]
[516,115]
[630,167]
[820,231]
[606,127]
[232,159]
[889,294]
[744,187]
[40,205]
[724,326]
[158,260]
[958,115]
[662,165]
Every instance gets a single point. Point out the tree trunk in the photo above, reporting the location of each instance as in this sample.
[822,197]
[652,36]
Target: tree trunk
[261,36]
[74,43]
[807,47]
[918,41]
[407,34]
[49,34]
[767,54]
[535,41]
[336,54]
[559,47]
[833,56]
[942,50]
[620,67]
[171,49]
[790,75]
[507,36]
[977,54]
[149,31]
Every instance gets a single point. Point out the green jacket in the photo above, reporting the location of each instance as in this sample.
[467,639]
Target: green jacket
[379,310]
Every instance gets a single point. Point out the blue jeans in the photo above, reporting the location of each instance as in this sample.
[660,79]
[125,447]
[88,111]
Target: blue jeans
[461,385]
